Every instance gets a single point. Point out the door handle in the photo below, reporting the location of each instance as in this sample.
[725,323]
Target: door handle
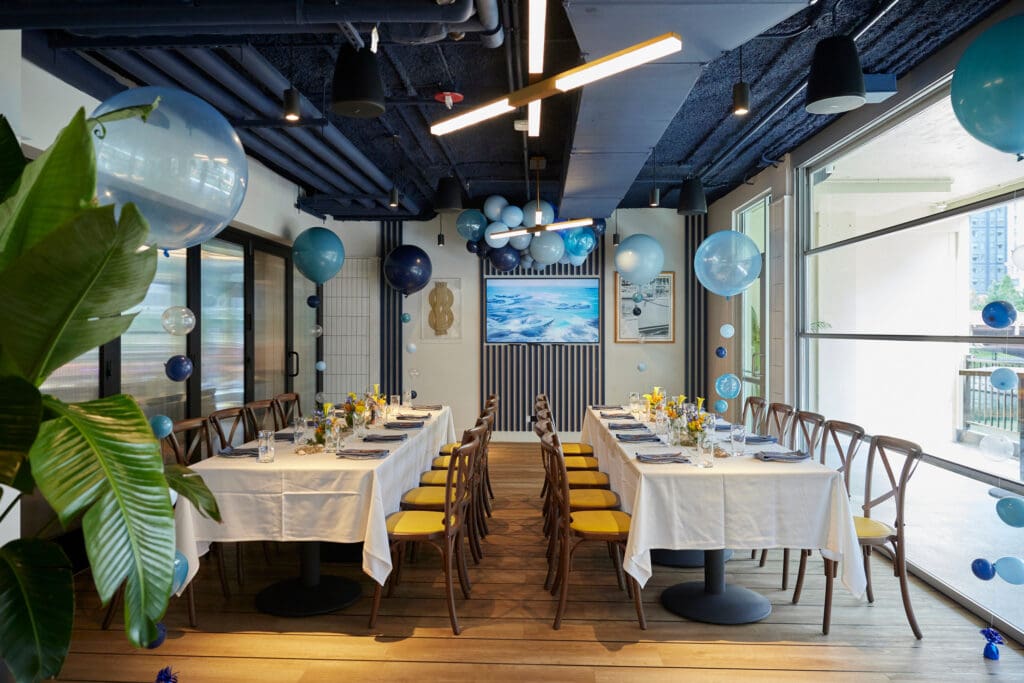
[293,355]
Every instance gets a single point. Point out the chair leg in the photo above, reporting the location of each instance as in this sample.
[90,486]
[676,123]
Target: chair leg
[544,489]
[487,480]
[800,577]
[449,587]
[639,603]
[867,572]
[901,567]
[378,591]
[554,543]
[460,560]
[563,574]
[239,572]
[397,553]
[785,568]
[613,551]
[221,570]
[753,554]
[764,557]
[826,621]
[191,598]
[108,618]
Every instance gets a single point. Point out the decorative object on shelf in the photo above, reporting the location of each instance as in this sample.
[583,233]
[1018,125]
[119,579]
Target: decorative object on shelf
[652,319]
[161,425]
[318,253]
[153,161]
[727,262]
[1004,379]
[639,259]
[178,368]
[987,91]
[407,268]
[993,639]
[727,331]
[178,320]
[441,316]
[313,301]
[728,386]
[999,314]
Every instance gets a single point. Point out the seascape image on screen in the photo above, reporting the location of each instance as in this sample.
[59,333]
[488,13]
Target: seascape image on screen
[543,310]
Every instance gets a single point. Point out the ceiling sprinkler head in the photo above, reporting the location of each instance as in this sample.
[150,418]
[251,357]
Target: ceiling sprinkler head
[449,97]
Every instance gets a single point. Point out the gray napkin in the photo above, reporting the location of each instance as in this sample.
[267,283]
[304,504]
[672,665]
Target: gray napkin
[661,458]
[385,437]
[636,438]
[363,453]
[786,456]
[230,452]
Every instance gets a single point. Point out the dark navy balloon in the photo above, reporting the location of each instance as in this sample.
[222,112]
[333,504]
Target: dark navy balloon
[178,368]
[312,301]
[483,249]
[720,352]
[472,247]
[637,310]
[983,569]
[599,226]
[407,268]
[504,259]
[999,314]
[161,636]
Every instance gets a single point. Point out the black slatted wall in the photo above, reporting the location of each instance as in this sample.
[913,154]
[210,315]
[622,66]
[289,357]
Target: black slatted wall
[390,316]
[694,306]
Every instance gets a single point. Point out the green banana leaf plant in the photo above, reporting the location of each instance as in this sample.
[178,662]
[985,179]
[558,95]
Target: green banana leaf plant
[69,269]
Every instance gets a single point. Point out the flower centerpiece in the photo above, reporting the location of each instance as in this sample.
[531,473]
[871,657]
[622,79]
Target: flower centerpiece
[688,420]
[655,399]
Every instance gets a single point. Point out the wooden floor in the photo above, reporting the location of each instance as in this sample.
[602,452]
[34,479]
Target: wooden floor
[507,624]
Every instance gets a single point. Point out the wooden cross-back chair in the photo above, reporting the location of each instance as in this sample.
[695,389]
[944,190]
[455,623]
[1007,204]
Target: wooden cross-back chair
[188,441]
[776,420]
[288,406]
[228,427]
[262,415]
[753,413]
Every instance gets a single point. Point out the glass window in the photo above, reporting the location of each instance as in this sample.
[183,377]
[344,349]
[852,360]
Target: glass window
[76,381]
[223,325]
[146,345]
[268,325]
[753,222]
[304,340]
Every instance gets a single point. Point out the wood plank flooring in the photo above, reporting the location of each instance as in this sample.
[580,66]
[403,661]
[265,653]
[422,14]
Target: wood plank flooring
[507,632]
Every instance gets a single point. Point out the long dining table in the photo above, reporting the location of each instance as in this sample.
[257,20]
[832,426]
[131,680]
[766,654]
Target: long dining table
[739,502]
[309,499]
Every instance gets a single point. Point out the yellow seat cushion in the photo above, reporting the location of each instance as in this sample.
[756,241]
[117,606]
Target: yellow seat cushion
[434,478]
[415,523]
[580,462]
[591,499]
[600,522]
[425,495]
[440,462]
[449,447]
[871,528]
[577,449]
[581,478]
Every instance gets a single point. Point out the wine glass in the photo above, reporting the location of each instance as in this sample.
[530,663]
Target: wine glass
[394,405]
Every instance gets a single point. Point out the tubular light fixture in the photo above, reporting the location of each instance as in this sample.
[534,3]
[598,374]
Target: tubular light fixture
[615,237]
[654,198]
[836,82]
[291,109]
[393,198]
[538,214]
[536,22]
[692,201]
[617,62]
[741,93]
[440,231]
[551,227]
[533,119]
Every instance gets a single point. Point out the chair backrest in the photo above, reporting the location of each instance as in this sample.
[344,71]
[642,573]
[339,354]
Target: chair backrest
[777,420]
[805,431]
[832,433]
[542,426]
[886,449]
[288,406]
[262,415]
[188,441]
[458,486]
[227,425]
[753,413]
[558,477]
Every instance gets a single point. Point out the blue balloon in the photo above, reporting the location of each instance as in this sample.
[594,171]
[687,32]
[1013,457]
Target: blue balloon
[525,261]
[1003,379]
[180,571]
[313,301]
[521,242]
[493,206]
[178,368]
[727,262]
[641,367]
[512,216]
[495,242]
[727,331]
[983,569]
[599,226]
[472,247]
[1011,511]
[1010,570]
[721,406]
[728,386]
[720,352]
[530,213]
[988,87]
[999,314]
[504,259]
[577,260]
[161,425]
[639,259]
[579,241]
[406,318]
[990,651]
[320,366]
[638,297]
[407,268]
[184,167]
[161,636]
[318,254]
[547,248]
[471,224]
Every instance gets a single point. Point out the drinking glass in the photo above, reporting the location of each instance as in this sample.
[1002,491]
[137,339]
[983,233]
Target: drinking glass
[298,430]
[634,403]
[265,446]
[359,424]
[407,397]
[394,406]
[738,437]
[705,451]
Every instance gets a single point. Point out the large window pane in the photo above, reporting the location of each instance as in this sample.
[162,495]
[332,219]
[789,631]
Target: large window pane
[146,345]
[76,381]
[223,325]
[268,325]
[753,333]
[304,342]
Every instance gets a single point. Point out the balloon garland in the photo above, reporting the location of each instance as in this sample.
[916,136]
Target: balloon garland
[1010,569]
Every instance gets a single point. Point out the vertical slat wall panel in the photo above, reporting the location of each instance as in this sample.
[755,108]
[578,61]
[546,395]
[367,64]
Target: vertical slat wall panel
[390,316]
[572,375]
[694,310]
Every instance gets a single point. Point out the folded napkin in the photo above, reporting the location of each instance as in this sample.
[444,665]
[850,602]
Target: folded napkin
[403,425]
[284,436]
[618,416]
[421,406]
[758,438]
[783,456]
[660,458]
[636,438]
[406,416]
[625,425]
[363,453]
[385,437]
[596,407]
[722,426]
[230,452]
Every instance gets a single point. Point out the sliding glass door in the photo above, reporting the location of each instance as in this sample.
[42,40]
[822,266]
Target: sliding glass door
[222,321]
[269,309]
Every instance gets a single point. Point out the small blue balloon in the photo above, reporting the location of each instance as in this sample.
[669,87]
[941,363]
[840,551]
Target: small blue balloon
[491,240]
[320,366]
[471,224]
[180,571]
[178,368]
[641,366]
[983,569]
[472,247]
[1011,511]
[728,386]
[412,394]
[526,261]
[1010,570]
[512,216]
[999,314]
[1003,379]
[521,242]
[312,301]
[161,425]
[318,254]
[638,297]
[721,352]
[161,636]
[991,651]
[406,318]
[721,406]
[727,262]
[599,226]
[727,331]
[493,206]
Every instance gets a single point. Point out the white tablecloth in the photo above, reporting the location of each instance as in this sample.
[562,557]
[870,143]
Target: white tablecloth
[316,497]
[741,502]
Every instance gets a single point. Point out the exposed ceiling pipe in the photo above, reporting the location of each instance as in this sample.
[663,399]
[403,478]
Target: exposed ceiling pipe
[61,14]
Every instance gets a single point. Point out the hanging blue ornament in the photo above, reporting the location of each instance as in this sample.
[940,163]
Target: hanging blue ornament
[178,368]
[637,310]
[320,366]
[406,318]
[721,352]
[994,638]
[728,386]
[721,406]
[1004,379]
[313,301]
[999,314]
[161,636]
[641,367]
[412,394]
[983,569]
[1011,511]
[161,426]
[638,297]
[318,254]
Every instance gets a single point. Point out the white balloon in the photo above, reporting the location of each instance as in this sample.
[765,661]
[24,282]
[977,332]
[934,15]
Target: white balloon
[996,447]
[410,348]
[495,242]
[493,206]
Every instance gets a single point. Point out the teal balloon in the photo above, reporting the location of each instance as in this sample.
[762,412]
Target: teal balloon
[1011,511]
[495,242]
[471,224]
[493,207]
[406,318]
[727,331]
[184,167]
[983,569]
[639,259]
[1004,379]
[318,254]
[180,571]
[721,406]
[727,262]
[987,92]
[547,248]
[161,425]
[512,216]
[579,241]
[1010,570]
[728,386]
[638,298]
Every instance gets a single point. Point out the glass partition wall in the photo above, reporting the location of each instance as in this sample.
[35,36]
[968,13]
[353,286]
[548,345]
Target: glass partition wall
[907,233]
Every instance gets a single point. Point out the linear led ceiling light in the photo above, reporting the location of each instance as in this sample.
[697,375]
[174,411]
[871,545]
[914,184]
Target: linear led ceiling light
[617,62]
[564,225]
[536,22]
[533,119]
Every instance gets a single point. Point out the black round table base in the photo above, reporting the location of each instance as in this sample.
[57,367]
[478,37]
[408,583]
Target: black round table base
[688,559]
[293,598]
[734,605]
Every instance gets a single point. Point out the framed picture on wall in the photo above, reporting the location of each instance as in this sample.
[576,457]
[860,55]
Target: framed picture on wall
[645,313]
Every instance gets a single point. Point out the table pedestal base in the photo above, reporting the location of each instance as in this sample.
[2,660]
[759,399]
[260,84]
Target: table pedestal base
[688,559]
[309,594]
[714,601]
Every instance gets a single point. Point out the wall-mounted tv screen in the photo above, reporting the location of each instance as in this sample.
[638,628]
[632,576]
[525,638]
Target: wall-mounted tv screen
[543,310]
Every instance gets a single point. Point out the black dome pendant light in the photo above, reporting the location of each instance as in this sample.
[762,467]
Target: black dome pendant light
[836,82]
[692,201]
[356,89]
[448,198]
